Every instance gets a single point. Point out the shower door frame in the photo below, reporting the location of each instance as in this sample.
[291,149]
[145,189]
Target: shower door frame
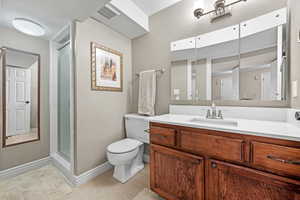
[67,167]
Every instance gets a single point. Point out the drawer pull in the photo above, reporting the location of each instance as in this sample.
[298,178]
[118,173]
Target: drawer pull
[213,165]
[283,161]
[161,136]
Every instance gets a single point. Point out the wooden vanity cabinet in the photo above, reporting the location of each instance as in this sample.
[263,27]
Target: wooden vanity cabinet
[233,182]
[198,164]
[176,175]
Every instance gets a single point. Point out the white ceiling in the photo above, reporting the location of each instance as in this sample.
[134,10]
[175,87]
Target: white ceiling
[52,14]
[151,7]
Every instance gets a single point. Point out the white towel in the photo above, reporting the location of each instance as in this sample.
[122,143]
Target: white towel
[147,93]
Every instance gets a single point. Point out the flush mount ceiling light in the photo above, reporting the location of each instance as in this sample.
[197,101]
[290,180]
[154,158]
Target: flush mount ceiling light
[220,9]
[28,27]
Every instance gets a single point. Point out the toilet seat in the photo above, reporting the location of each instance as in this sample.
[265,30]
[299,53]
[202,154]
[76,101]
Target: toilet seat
[124,146]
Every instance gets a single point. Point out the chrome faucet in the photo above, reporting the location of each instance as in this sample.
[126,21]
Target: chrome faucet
[213,113]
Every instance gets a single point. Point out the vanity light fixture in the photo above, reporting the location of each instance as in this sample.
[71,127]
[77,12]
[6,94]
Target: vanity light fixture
[28,27]
[219,11]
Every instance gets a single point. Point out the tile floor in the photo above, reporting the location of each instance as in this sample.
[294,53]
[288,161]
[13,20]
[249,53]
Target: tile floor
[47,183]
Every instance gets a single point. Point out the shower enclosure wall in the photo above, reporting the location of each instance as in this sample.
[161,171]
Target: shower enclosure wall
[62,100]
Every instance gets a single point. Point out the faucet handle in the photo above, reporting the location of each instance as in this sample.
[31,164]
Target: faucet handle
[220,115]
[208,114]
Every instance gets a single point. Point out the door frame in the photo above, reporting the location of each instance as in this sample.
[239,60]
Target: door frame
[4,49]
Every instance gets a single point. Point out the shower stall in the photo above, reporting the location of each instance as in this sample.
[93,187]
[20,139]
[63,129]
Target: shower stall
[62,99]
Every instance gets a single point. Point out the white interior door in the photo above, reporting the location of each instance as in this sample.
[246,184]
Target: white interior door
[226,89]
[266,86]
[18,84]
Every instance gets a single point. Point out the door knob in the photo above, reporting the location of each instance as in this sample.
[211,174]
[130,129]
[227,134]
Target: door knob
[27,102]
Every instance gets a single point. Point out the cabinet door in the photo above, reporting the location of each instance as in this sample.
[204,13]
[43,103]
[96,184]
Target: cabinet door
[218,36]
[231,182]
[185,44]
[175,175]
[264,22]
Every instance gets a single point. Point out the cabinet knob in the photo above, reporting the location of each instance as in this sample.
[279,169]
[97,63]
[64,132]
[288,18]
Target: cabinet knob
[244,25]
[278,15]
[213,165]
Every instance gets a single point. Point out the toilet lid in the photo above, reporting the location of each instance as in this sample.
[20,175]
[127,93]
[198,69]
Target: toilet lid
[124,146]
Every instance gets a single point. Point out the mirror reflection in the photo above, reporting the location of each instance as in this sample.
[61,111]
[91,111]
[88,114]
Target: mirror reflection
[242,62]
[21,96]
[262,65]
[225,78]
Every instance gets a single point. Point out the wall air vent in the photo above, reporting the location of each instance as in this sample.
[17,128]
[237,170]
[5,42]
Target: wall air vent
[108,12]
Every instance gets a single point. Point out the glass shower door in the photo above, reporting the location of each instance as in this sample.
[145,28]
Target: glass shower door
[63,101]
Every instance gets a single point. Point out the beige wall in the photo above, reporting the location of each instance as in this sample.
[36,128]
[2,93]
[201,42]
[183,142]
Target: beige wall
[20,154]
[177,22]
[295,48]
[99,114]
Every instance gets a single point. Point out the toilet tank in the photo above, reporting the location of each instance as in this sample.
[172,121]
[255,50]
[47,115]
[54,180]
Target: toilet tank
[136,127]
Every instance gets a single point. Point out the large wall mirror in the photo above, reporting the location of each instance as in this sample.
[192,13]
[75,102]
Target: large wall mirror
[242,64]
[21,79]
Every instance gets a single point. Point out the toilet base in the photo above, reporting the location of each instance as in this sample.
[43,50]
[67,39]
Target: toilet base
[123,173]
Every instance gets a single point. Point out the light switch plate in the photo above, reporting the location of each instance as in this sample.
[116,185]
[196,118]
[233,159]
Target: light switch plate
[295,89]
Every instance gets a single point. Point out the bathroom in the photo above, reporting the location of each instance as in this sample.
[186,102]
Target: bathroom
[191,100]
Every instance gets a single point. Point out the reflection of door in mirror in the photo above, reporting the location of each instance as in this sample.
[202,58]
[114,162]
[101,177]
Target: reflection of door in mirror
[21,101]
[225,78]
[226,88]
[18,85]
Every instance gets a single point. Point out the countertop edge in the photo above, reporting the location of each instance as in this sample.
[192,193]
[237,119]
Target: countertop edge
[282,137]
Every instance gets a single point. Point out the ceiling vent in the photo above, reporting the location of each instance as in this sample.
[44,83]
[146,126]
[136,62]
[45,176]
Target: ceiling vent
[108,12]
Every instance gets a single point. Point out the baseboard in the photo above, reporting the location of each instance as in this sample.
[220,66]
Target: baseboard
[146,158]
[89,175]
[56,161]
[24,168]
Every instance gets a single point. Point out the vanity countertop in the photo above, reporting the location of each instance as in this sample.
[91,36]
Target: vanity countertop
[272,129]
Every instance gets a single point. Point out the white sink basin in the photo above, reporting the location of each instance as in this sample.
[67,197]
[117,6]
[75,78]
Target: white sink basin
[223,122]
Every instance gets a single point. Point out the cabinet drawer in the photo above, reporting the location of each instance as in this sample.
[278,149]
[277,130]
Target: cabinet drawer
[275,158]
[217,146]
[163,136]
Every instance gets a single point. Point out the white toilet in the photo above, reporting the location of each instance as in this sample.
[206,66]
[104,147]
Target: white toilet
[127,155]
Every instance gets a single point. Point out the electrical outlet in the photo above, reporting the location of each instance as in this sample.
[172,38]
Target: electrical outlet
[294,89]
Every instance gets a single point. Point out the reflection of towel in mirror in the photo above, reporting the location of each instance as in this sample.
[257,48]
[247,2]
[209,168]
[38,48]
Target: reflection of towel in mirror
[147,93]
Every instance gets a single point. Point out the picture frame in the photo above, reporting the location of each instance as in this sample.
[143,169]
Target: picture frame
[106,68]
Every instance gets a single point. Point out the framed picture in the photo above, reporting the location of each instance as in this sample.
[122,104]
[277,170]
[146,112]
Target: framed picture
[107,68]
